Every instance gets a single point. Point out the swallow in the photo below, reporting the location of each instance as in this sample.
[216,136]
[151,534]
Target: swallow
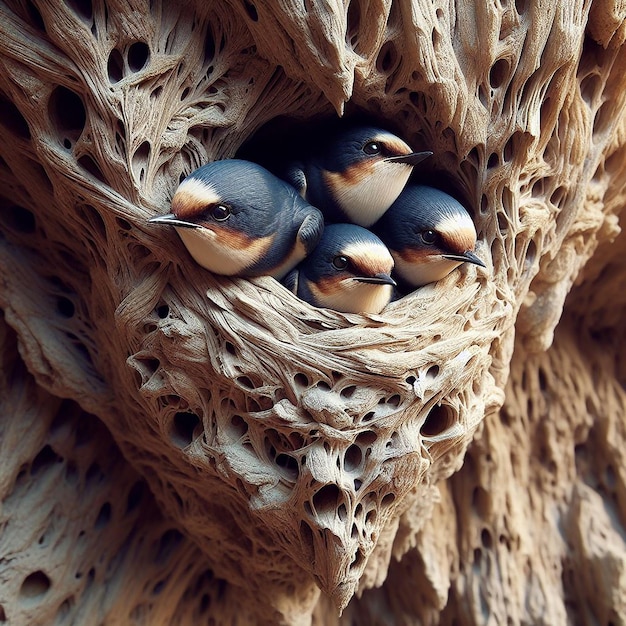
[429,233]
[237,219]
[355,175]
[349,271]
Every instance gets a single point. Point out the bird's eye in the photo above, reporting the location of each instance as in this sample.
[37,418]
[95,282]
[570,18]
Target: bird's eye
[220,212]
[340,262]
[371,147]
[428,237]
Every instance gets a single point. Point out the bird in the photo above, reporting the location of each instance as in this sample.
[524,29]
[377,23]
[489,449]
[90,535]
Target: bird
[352,173]
[429,233]
[349,271]
[237,219]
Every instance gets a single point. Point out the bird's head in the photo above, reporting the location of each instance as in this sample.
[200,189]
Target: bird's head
[227,214]
[366,168]
[429,233]
[350,270]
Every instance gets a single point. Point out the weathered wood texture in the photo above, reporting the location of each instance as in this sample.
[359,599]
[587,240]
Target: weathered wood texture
[180,448]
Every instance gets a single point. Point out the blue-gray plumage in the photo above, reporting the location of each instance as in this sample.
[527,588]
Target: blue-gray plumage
[237,219]
[349,271]
[354,174]
[429,233]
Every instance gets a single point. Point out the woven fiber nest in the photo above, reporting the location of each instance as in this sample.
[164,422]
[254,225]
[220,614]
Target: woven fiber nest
[287,450]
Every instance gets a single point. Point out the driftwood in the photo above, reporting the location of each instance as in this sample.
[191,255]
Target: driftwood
[181,448]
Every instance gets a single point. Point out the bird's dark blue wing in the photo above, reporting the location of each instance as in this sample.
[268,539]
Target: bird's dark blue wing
[311,229]
[295,176]
[291,280]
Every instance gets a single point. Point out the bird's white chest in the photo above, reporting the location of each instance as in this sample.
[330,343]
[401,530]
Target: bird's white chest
[352,296]
[365,198]
[224,255]
[428,270]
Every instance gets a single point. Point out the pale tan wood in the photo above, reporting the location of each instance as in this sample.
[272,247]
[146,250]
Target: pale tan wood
[299,461]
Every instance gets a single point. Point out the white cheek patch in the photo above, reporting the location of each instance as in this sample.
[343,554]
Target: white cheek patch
[191,194]
[370,259]
[394,143]
[458,231]
[365,201]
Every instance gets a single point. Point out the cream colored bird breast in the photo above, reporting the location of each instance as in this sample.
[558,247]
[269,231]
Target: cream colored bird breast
[219,255]
[379,186]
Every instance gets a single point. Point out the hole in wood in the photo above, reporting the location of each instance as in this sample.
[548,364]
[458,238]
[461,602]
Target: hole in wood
[348,392]
[11,118]
[138,56]
[251,10]
[498,73]
[67,114]
[35,585]
[168,546]
[288,464]
[386,60]
[82,8]
[87,163]
[352,458]
[19,219]
[326,500]
[439,419]
[115,66]
[359,557]
[35,16]
[183,428]
[387,500]
[44,460]
[104,516]
[432,372]
[209,47]
[135,496]
[354,23]
[65,307]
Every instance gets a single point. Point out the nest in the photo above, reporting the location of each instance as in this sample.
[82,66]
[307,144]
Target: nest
[297,448]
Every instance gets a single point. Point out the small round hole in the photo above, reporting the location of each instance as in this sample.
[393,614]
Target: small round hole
[439,419]
[352,458]
[67,112]
[289,464]
[65,307]
[138,56]
[237,426]
[348,392]
[35,585]
[432,372]
[326,500]
[387,500]
[246,382]
[183,427]
[301,380]
[499,72]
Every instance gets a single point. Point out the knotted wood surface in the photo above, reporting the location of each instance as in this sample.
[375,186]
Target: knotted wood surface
[182,448]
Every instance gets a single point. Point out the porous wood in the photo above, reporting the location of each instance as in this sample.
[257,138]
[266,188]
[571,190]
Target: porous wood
[182,448]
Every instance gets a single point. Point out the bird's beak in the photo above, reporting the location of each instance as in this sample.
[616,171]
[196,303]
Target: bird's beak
[410,159]
[378,279]
[171,220]
[466,257]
